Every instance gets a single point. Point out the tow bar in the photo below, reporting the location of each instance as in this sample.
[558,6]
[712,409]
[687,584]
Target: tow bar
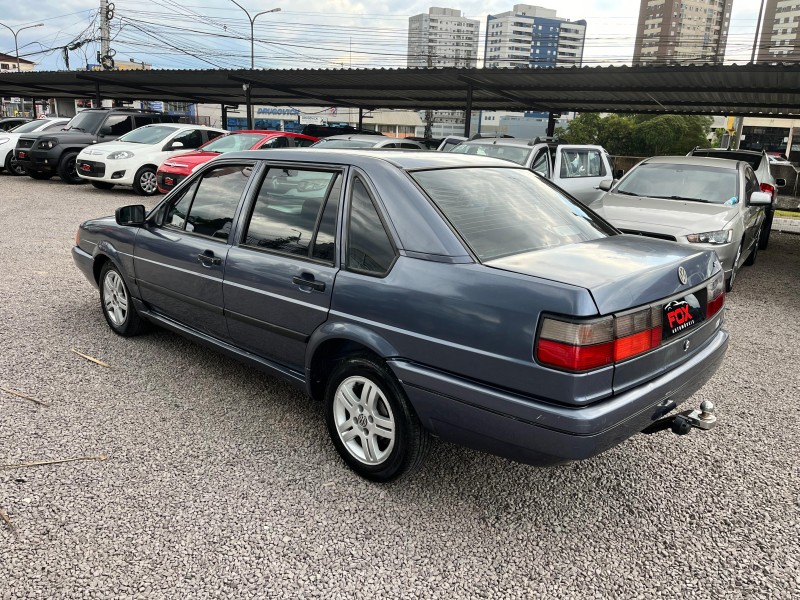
[682,423]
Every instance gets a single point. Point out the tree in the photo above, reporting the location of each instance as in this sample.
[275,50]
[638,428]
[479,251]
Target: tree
[639,135]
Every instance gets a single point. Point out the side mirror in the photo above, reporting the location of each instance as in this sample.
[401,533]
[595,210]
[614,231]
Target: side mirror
[607,184]
[780,182]
[132,215]
[105,130]
[760,199]
[176,145]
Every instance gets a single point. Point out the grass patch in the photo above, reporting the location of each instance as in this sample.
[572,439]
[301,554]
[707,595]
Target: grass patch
[787,213]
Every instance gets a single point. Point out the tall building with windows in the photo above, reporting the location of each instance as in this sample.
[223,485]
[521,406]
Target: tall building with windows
[442,37]
[532,36]
[780,32]
[682,32]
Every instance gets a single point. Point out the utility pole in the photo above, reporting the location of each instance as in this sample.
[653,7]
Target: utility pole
[252,29]
[758,32]
[105,30]
[16,52]
[429,113]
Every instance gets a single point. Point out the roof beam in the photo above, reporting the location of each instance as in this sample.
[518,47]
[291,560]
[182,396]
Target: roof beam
[331,100]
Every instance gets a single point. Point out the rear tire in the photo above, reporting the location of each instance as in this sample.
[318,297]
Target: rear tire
[102,185]
[766,229]
[145,182]
[117,304]
[67,171]
[371,421]
[40,175]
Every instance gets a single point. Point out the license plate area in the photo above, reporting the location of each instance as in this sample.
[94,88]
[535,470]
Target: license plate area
[681,315]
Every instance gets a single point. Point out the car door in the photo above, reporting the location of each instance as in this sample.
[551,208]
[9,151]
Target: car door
[579,171]
[280,275]
[540,164]
[179,258]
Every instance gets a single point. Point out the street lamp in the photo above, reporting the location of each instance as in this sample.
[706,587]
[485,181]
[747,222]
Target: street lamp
[252,26]
[16,33]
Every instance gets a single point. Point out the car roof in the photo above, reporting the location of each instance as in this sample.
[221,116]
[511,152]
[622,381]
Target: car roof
[272,132]
[180,126]
[359,137]
[698,161]
[408,160]
[731,150]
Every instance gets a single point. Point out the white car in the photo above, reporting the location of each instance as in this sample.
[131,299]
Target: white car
[8,139]
[134,158]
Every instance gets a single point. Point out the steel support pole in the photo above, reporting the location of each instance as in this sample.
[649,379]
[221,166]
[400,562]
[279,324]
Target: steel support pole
[468,112]
[249,106]
[360,118]
[97,99]
[224,117]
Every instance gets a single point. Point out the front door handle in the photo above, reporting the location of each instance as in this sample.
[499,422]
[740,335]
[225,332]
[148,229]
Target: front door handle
[306,282]
[207,259]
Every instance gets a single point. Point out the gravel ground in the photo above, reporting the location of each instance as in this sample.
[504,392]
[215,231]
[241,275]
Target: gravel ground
[221,482]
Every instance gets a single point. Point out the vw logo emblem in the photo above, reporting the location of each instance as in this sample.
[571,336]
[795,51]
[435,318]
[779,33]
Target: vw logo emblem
[682,275]
[361,420]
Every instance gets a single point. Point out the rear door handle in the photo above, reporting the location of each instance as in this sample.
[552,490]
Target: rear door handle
[207,259]
[306,282]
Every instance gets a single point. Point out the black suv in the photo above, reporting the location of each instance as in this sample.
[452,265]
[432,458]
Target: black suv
[46,153]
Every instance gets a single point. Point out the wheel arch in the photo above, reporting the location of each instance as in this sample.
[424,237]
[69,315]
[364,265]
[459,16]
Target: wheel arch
[332,343]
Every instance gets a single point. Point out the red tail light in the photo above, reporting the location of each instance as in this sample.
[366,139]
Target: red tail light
[715,294]
[769,189]
[599,343]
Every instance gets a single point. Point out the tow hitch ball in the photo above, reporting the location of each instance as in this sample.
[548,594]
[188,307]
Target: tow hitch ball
[682,423]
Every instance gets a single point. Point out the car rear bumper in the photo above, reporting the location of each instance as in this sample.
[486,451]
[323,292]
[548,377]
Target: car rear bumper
[534,432]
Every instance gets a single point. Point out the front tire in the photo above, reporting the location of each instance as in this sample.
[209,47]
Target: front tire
[751,259]
[67,170]
[12,166]
[145,182]
[735,269]
[116,303]
[371,422]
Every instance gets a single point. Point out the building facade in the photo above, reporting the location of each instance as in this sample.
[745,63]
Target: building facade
[532,36]
[780,32]
[682,32]
[442,37]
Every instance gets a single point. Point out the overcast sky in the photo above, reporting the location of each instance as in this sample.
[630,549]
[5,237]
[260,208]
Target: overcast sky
[305,34]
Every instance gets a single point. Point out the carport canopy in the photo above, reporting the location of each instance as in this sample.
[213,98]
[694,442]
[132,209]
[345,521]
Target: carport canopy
[744,90]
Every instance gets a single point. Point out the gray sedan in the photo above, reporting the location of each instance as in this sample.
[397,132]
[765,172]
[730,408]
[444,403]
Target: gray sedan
[367,141]
[421,294]
[700,202]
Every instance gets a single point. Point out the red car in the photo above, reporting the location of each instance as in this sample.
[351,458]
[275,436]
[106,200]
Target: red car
[175,169]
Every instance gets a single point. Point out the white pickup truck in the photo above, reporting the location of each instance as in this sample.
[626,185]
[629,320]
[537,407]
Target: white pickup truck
[578,169]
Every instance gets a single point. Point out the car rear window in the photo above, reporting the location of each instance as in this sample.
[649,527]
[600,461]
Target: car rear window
[682,182]
[515,154]
[754,160]
[234,142]
[500,212]
[328,143]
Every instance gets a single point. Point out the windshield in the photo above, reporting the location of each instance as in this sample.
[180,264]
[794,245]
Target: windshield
[329,143]
[31,126]
[684,182]
[500,211]
[150,134]
[86,121]
[234,142]
[515,154]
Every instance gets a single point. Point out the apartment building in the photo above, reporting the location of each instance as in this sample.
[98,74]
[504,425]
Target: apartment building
[779,40]
[532,36]
[682,32]
[442,37]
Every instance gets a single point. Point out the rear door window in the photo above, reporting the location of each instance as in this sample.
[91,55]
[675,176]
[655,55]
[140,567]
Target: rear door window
[190,138]
[581,163]
[288,215]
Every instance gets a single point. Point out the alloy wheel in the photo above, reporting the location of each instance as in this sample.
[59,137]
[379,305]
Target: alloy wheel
[115,298]
[364,420]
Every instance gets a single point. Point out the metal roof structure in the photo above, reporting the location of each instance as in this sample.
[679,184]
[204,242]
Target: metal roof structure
[750,89]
